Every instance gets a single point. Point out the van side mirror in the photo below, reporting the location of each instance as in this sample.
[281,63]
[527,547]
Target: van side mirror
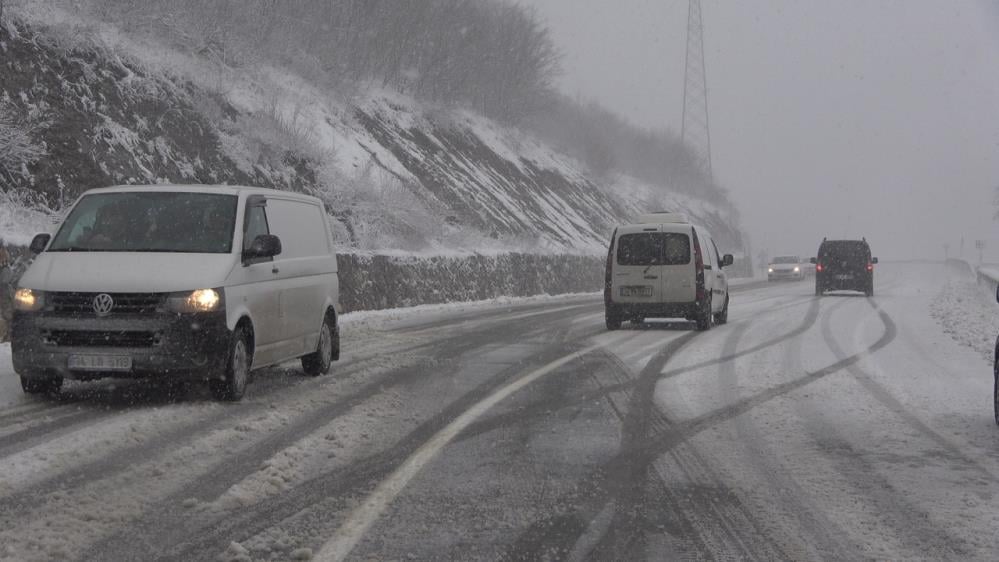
[263,246]
[39,242]
[813,260]
[874,260]
[727,260]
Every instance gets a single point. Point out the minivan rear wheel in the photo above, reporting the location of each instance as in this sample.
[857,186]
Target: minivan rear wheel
[320,361]
[237,370]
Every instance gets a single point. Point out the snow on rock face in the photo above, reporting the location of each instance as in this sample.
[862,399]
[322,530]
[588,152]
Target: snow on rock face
[395,173]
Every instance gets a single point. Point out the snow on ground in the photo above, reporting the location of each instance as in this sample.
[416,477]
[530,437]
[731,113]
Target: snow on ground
[968,314]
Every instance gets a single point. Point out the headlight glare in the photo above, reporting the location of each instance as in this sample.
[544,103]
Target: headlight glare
[28,300]
[202,300]
[797,269]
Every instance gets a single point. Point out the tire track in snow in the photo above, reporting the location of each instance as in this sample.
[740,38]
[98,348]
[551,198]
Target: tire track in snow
[598,482]
[829,539]
[884,396]
[341,482]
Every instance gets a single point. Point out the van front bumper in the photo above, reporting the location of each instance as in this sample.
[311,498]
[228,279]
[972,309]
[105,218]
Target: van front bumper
[178,346]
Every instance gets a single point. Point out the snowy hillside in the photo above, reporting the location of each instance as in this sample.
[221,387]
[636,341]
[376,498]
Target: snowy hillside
[108,107]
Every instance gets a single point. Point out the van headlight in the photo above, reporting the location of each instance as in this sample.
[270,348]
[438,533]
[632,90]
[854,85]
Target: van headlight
[797,269]
[201,300]
[28,300]
[770,270]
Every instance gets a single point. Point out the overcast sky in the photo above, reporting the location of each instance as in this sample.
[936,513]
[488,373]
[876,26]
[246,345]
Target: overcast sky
[842,119]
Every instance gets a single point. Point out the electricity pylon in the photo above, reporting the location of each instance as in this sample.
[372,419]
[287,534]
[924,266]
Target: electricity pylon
[694,131]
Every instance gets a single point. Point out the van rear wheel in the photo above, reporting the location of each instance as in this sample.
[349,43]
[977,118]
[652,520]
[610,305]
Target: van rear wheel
[612,320]
[320,361]
[237,370]
[41,386]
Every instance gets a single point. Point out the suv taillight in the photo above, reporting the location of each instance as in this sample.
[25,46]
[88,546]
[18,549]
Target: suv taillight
[870,267]
[819,268]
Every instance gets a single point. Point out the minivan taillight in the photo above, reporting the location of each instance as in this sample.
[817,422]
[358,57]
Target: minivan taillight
[819,268]
[698,267]
[870,267]
[610,265]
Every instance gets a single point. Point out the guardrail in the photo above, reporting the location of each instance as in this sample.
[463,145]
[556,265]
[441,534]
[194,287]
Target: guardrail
[988,278]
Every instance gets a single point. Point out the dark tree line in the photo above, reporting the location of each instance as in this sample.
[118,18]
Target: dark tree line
[490,55]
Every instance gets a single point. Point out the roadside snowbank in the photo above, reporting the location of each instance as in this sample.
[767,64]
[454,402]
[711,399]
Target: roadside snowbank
[968,315]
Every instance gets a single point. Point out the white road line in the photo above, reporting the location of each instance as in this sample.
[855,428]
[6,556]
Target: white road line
[365,515]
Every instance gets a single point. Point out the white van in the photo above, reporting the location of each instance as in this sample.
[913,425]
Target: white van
[665,267]
[179,282]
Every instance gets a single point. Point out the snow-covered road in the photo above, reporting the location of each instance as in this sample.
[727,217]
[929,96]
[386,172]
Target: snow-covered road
[836,427]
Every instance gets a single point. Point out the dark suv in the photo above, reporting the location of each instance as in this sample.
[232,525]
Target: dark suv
[844,265]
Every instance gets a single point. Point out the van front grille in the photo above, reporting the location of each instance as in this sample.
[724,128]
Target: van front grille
[82,304]
[100,338]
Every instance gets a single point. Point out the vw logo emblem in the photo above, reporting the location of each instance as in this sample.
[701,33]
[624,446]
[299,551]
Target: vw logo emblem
[103,304]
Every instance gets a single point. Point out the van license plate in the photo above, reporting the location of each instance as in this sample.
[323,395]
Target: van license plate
[100,362]
[638,291]
[844,277]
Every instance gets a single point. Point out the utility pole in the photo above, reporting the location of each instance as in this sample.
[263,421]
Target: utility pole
[694,130]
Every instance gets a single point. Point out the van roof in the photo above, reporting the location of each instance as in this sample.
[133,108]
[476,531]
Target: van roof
[201,188]
[663,218]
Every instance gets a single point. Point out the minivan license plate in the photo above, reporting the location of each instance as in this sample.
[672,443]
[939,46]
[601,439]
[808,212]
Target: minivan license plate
[637,291]
[844,277]
[100,362]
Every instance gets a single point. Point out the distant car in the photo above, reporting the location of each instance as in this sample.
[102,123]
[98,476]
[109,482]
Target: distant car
[844,265]
[786,267]
[665,267]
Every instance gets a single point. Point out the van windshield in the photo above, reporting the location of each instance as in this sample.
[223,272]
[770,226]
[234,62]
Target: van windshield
[149,221]
[653,248]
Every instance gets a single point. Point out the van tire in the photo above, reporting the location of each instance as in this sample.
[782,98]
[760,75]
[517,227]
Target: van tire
[237,369]
[320,361]
[41,386]
[705,318]
[995,391]
[869,290]
[722,317]
[612,320]
[818,290]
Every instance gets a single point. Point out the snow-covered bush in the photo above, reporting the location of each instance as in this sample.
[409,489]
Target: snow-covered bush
[18,148]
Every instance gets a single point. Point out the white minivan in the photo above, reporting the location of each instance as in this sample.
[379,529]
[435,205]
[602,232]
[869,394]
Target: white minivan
[179,283]
[665,267]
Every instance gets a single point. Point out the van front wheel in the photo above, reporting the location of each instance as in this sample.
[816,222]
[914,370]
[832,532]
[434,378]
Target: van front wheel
[320,361]
[722,317]
[704,319]
[237,370]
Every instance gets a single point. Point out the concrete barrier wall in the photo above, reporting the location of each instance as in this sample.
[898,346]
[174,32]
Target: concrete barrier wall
[378,282]
[373,282]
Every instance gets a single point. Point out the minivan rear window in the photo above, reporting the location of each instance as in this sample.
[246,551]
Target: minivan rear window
[149,221]
[653,248]
[845,250]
